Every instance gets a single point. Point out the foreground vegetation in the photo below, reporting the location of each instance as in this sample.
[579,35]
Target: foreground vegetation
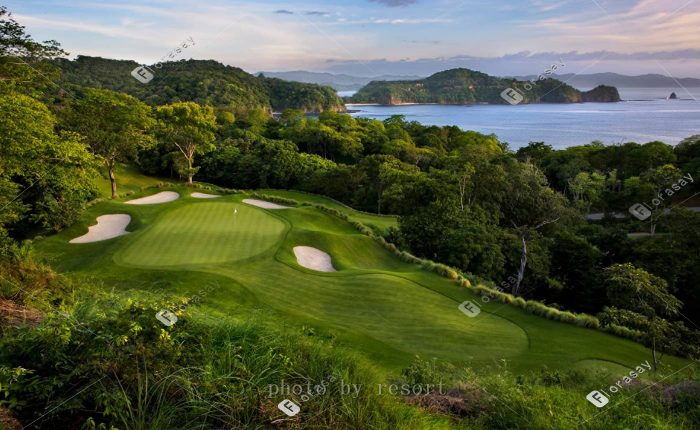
[105,362]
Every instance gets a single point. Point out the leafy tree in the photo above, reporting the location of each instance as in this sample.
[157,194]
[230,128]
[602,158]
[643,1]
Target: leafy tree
[116,127]
[586,188]
[527,204]
[659,180]
[576,264]
[640,292]
[45,178]
[22,65]
[635,289]
[675,256]
[465,185]
[188,127]
[534,152]
[688,155]
[271,163]
[650,155]
[468,239]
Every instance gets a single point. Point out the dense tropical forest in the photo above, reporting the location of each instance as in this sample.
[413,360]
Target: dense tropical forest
[519,221]
[205,82]
[464,86]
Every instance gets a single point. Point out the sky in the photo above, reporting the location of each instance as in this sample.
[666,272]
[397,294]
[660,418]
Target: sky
[376,37]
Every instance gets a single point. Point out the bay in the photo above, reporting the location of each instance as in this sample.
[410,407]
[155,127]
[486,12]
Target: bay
[645,115]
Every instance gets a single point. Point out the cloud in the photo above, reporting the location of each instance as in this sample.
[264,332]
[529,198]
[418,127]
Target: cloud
[395,3]
[667,25]
[432,42]
[526,63]
[397,21]
[317,13]
[284,12]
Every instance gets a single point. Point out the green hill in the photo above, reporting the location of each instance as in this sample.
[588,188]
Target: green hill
[464,86]
[204,82]
[374,303]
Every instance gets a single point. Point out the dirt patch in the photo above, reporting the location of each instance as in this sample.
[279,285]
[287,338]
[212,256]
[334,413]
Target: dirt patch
[15,315]
[8,421]
[463,401]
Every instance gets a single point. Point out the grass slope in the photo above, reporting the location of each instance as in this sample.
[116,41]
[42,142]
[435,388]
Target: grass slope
[379,222]
[387,309]
[129,180]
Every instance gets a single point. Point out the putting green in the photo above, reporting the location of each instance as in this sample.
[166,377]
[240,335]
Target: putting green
[204,233]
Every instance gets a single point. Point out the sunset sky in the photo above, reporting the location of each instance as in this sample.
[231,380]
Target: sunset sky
[374,37]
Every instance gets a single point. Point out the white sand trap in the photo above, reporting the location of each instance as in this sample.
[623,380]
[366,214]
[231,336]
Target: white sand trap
[204,196]
[313,259]
[263,204]
[107,227]
[162,197]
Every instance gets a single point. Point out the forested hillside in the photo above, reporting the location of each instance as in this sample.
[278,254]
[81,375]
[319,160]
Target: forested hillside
[204,82]
[464,86]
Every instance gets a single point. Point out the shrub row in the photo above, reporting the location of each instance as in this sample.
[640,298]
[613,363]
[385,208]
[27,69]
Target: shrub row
[274,199]
[344,205]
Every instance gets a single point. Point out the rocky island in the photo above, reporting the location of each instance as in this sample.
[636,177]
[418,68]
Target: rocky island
[464,86]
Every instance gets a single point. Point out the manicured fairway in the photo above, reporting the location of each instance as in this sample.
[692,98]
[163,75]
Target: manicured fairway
[207,232]
[381,222]
[375,303]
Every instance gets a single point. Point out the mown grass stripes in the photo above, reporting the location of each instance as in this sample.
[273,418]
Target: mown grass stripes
[204,233]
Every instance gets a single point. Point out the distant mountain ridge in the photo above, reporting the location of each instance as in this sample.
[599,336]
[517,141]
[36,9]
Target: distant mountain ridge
[345,82]
[340,82]
[464,86]
[621,81]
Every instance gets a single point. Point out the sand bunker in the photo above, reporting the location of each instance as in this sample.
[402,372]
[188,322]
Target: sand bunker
[313,259]
[264,204]
[204,196]
[107,227]
[162,197]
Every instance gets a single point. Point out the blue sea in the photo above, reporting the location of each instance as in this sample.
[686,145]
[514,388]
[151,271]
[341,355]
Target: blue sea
[644,115]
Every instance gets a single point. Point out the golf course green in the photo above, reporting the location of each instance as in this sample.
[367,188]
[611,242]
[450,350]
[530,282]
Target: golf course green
[374,303]
[209,232]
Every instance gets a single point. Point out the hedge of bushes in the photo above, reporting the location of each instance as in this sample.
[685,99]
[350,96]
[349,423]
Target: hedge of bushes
[345,205]
[275,199]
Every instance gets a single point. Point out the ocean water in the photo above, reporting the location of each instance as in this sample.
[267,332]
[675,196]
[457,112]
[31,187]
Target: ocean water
[644,115]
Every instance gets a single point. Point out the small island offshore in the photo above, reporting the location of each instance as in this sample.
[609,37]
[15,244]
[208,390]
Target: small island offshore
[464,86]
